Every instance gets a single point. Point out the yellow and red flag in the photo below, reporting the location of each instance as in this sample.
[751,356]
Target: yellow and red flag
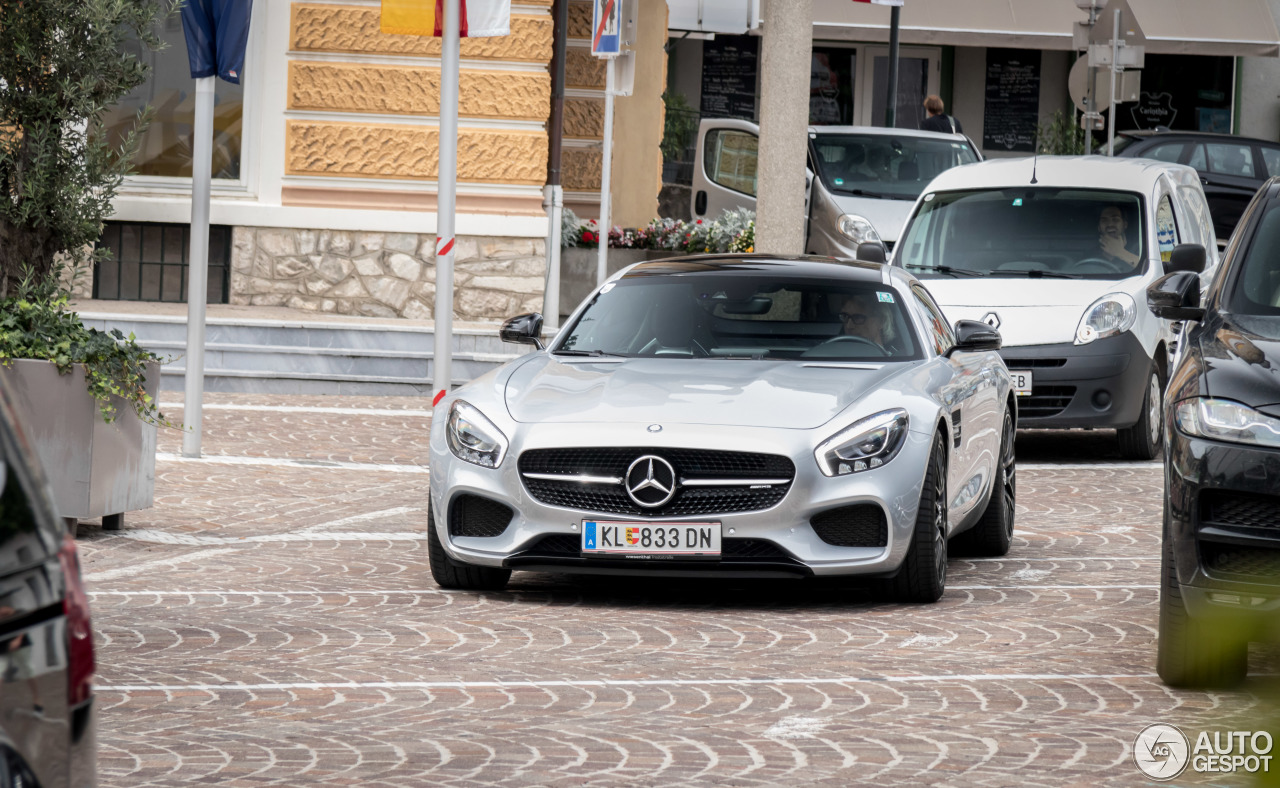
[410,17]
[477,18]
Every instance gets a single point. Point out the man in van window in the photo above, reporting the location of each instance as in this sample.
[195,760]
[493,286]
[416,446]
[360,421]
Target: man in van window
[1113,237]
[937,121]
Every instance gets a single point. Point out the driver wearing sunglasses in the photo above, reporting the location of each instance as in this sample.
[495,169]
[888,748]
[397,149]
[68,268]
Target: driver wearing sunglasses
[865,317]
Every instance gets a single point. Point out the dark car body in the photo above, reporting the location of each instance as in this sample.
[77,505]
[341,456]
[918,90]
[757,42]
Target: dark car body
[1221,562]
[47,727]
[1231,168]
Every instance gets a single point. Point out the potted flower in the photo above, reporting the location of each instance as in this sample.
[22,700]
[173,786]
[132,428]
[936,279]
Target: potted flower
[88,398]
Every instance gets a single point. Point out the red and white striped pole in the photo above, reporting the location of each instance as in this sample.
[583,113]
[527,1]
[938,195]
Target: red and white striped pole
[446,199]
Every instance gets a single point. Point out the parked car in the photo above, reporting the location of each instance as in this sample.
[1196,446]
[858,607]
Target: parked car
[731,415]
[1231,168]
[1057,253]
[47,729]
[861,180]
[1220,565]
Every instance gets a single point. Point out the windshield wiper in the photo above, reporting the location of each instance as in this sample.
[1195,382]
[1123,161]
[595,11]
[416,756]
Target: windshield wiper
[593,353]
[1036,273]
[862,193]
[945,269]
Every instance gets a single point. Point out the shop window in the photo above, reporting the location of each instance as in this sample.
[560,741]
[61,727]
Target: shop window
[1227,159]
[730,159]
[149,263]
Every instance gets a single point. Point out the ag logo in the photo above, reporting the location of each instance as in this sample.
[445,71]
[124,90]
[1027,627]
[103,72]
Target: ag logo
[991,319]
[651,481]
[1161,751]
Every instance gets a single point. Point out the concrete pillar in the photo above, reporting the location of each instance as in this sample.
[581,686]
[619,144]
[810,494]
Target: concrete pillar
[638,125]
[784,119]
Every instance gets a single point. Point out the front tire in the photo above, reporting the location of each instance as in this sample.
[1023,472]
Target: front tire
[1191,653]
[923,574]
[449,573]
[1144,440]
[993,535]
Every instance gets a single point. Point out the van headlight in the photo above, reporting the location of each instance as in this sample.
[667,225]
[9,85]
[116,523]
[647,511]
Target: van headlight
[1224,420]
[1112,314]
[867,443]
[858,229]
[474,438]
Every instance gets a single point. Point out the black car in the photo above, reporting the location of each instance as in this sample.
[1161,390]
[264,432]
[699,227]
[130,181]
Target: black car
[47,730]
[1220,567]
[1231,168]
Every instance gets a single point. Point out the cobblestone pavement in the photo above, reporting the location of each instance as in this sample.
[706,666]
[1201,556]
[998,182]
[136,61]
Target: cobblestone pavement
[272,621]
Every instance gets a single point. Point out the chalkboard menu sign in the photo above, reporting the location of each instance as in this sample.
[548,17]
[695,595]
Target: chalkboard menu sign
[1012,111]
[729,66]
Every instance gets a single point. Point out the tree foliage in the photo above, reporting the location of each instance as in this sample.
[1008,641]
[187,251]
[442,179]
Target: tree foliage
[63,63]
[1060,135]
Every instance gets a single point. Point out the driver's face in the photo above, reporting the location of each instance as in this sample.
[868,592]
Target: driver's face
[861,320]
[1112,222]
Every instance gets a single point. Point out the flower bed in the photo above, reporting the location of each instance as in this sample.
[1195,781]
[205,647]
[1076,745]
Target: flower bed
[734,231]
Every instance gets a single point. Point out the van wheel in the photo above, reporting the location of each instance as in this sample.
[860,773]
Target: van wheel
[1144,440]
[449,573]
[1191,653]
[923,574]
[993,535]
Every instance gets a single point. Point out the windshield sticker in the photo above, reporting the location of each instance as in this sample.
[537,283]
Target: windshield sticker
[1166,229]
[885,297]
[839,181]
[1017,203]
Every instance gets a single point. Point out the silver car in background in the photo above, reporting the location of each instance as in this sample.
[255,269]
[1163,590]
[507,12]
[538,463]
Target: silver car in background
[731,415]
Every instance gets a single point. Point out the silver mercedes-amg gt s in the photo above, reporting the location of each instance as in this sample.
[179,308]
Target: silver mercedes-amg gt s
[731,415]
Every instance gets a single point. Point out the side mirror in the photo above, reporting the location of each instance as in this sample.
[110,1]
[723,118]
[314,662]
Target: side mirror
[523,330]
[1176,296]
[973,336]
[872,252]
[1187,257]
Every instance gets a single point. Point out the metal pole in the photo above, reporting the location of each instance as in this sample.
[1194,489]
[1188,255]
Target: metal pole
[1115,53]
[198,265]
[555,194]
[446,201]
[1090,101]
[605,167]
[891,107]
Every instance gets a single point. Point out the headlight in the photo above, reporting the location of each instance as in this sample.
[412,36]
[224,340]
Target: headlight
[473,438]
[1224,420]
[857,229]
[1112,314]
[868,443]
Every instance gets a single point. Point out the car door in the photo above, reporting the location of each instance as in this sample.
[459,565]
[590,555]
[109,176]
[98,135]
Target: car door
[1230,177]
[724,172]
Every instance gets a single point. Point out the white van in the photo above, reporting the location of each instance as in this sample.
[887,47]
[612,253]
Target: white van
[1057,254]
[861,180]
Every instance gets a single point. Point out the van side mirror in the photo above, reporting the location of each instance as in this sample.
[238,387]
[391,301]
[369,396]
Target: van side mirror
[973,336]
[523,330]
[872,252]
[1176,296]
[1187,257]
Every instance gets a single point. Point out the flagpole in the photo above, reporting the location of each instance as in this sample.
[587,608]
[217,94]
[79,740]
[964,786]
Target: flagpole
[605,172]
[198,265]
[446,200]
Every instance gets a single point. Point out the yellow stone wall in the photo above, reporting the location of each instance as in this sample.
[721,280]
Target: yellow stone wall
[350,144]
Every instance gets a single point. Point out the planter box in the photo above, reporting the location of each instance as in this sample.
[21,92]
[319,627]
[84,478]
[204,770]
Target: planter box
[578,270]
[95,469]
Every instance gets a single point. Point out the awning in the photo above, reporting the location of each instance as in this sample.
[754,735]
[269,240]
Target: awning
[1184,27]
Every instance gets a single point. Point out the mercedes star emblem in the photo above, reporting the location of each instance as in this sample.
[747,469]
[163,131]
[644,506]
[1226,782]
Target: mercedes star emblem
[651,481]
[991,319]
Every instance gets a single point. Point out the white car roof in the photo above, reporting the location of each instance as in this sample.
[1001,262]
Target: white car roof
[1089,172]
[880,131]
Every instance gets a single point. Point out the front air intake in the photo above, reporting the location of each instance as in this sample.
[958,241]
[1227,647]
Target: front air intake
[471,515]
[860,525]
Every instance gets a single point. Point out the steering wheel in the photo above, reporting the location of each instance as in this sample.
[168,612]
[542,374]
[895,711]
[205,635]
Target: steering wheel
[855,338]
[1108,266]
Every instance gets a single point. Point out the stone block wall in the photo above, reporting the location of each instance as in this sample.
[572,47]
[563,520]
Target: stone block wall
[374,274]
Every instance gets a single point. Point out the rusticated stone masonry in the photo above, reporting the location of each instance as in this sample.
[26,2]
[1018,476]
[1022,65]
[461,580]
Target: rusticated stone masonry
[384,274]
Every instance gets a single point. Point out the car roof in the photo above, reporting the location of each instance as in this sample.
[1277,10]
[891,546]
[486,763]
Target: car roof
[806,266]
[880,131]
[1087,172]
[1149,134]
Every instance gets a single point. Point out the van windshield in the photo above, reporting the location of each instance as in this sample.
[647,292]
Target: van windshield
[885,165]
[1026,232]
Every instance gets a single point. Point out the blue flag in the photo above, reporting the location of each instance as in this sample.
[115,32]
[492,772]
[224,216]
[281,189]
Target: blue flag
[217,32]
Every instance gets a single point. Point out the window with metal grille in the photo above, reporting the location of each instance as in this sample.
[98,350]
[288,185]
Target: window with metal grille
[149,262]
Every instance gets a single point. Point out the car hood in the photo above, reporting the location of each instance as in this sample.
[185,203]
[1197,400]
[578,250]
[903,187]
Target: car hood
[886,215]
[728,392]
[1242,360]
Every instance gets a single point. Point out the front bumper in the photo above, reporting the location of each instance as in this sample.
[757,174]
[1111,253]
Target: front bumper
[1222,562]
[775,542]
[1101,384]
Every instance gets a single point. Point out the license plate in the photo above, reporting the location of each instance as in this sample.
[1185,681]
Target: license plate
[1021,382]
[650,540]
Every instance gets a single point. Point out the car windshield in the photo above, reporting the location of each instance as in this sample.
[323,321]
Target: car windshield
[885,165]
[1255,288]
[1026,232]
[722,315]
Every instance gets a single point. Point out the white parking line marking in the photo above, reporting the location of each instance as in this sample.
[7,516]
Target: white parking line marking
[358,518]
[1009,559]
[1086,466]
[607,683]
[222,459]
[165,537]
[310,409]
[147,566]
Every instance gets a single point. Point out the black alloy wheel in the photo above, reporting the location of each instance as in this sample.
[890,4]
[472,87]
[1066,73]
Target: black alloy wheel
[923,574]
[993,534]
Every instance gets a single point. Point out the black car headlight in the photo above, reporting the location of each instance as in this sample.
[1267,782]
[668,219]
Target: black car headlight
[474,438]
[867,443]
[1224,420]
